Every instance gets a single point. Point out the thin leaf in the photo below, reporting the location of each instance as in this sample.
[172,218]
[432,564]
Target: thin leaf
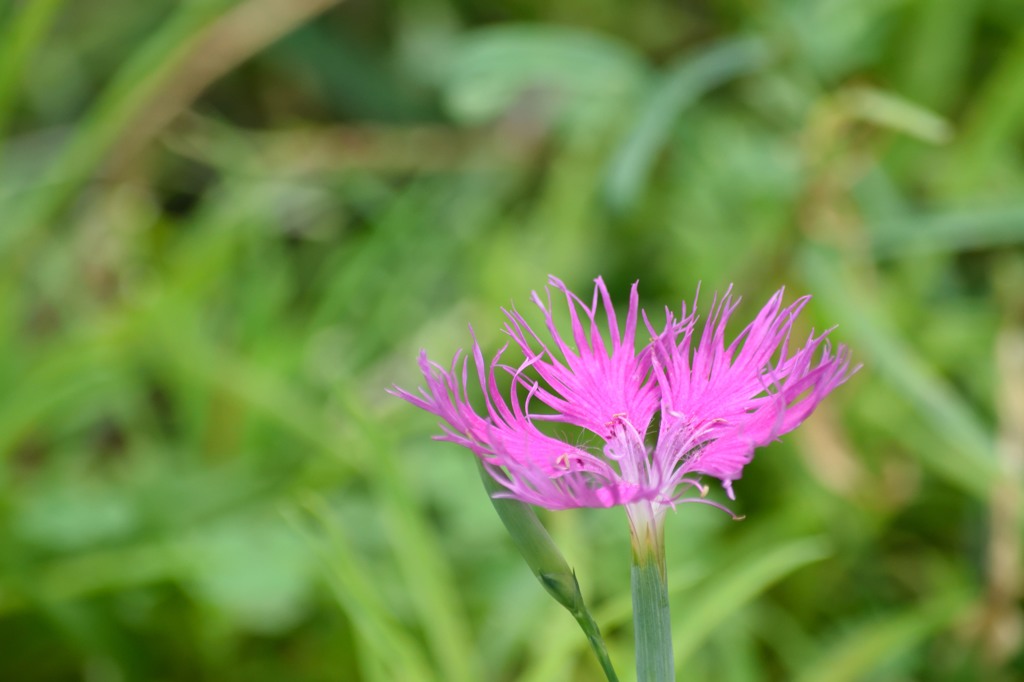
[869,646]
[685,82]
[730,590]
[974,469]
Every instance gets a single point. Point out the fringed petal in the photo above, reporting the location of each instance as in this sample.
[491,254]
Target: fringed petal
[718,401]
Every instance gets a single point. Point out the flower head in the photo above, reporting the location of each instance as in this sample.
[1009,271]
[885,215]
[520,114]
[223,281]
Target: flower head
[703,403]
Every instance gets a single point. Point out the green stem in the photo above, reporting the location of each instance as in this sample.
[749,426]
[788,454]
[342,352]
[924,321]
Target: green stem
[547,563]
[652,622]
[593,633]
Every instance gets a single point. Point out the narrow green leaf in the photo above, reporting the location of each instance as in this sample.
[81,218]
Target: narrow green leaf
[21,37]
[994,122]
[948,231]
[889,110]
[130,89]
[974,470]
[431,585]
[730,590]
[685,83]
[935,56]
[585,76]
[547,563]
[857,654]
[391,646]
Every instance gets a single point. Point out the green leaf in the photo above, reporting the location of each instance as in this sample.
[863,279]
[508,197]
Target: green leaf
[20,38]
[973,469]
[730,590]
[854,656]
[578,76]
[547,563]
[953,231]
[255,570]
[684,83]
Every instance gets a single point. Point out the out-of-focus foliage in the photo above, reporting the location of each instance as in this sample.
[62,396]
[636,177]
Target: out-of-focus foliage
[227,227]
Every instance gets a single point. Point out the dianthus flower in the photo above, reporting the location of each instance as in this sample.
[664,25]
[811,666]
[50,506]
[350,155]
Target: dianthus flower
[684,405]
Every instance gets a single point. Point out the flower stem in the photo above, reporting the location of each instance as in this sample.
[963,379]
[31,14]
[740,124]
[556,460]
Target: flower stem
[651,619]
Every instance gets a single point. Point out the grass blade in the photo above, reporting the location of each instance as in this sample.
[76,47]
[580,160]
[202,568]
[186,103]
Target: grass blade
[730,590]
[974,471]
[21,38]
[684,84]
[856,655]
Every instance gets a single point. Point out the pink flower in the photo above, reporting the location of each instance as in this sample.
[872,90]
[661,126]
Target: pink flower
[717,402]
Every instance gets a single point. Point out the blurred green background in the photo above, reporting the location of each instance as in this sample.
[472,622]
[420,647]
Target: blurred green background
[228,226]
